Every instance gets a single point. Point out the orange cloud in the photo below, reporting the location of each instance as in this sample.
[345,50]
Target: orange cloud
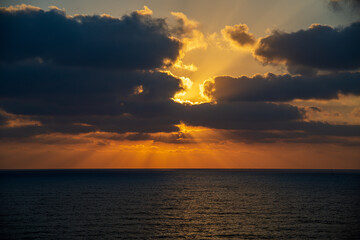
[192,38]
[145,11]
[14,120]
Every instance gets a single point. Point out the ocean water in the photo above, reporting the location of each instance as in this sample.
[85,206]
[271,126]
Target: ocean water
[180,204]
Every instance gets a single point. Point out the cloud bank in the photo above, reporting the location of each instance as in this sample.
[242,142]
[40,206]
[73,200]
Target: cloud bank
[83,74]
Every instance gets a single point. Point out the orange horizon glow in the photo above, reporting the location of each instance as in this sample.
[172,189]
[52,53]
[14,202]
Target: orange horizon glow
[208,149]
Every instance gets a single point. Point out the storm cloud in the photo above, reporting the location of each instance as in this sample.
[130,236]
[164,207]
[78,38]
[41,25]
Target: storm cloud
[320,47]
[134,41]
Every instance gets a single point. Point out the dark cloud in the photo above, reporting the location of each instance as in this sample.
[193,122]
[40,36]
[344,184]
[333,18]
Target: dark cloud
[133,42]
[239,34]
[292,132]
[338,5]
[237,114]
[272,87]
[168,114]
[45,89]
[63,75]
[240,121]
[280,125]
[235,128]
[177,137]
[294,136]
[76,100]
[72,100]
[3,119]
[309,127]
[319,47]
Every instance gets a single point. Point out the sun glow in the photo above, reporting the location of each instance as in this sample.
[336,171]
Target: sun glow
[182,96]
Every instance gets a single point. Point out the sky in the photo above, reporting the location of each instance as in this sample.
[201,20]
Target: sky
[180,84]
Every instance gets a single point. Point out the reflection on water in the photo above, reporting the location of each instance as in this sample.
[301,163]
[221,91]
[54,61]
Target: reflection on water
[191,204]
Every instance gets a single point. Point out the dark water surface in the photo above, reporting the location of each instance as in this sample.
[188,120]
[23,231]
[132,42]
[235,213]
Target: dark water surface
[189,204]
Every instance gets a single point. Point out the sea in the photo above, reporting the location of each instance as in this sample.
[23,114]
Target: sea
[179,204]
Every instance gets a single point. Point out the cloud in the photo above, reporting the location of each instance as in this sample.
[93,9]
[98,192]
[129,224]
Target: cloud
[355,112]
[280,88]
[8,120]
[135,41]
[47,89]
[239,35]
[246,121]
[320,47]
[338,5]
[290,136]
[60,98]
[233,115]
[294,132]
[145,11]
[187,30]
[77,75]
[177,137]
